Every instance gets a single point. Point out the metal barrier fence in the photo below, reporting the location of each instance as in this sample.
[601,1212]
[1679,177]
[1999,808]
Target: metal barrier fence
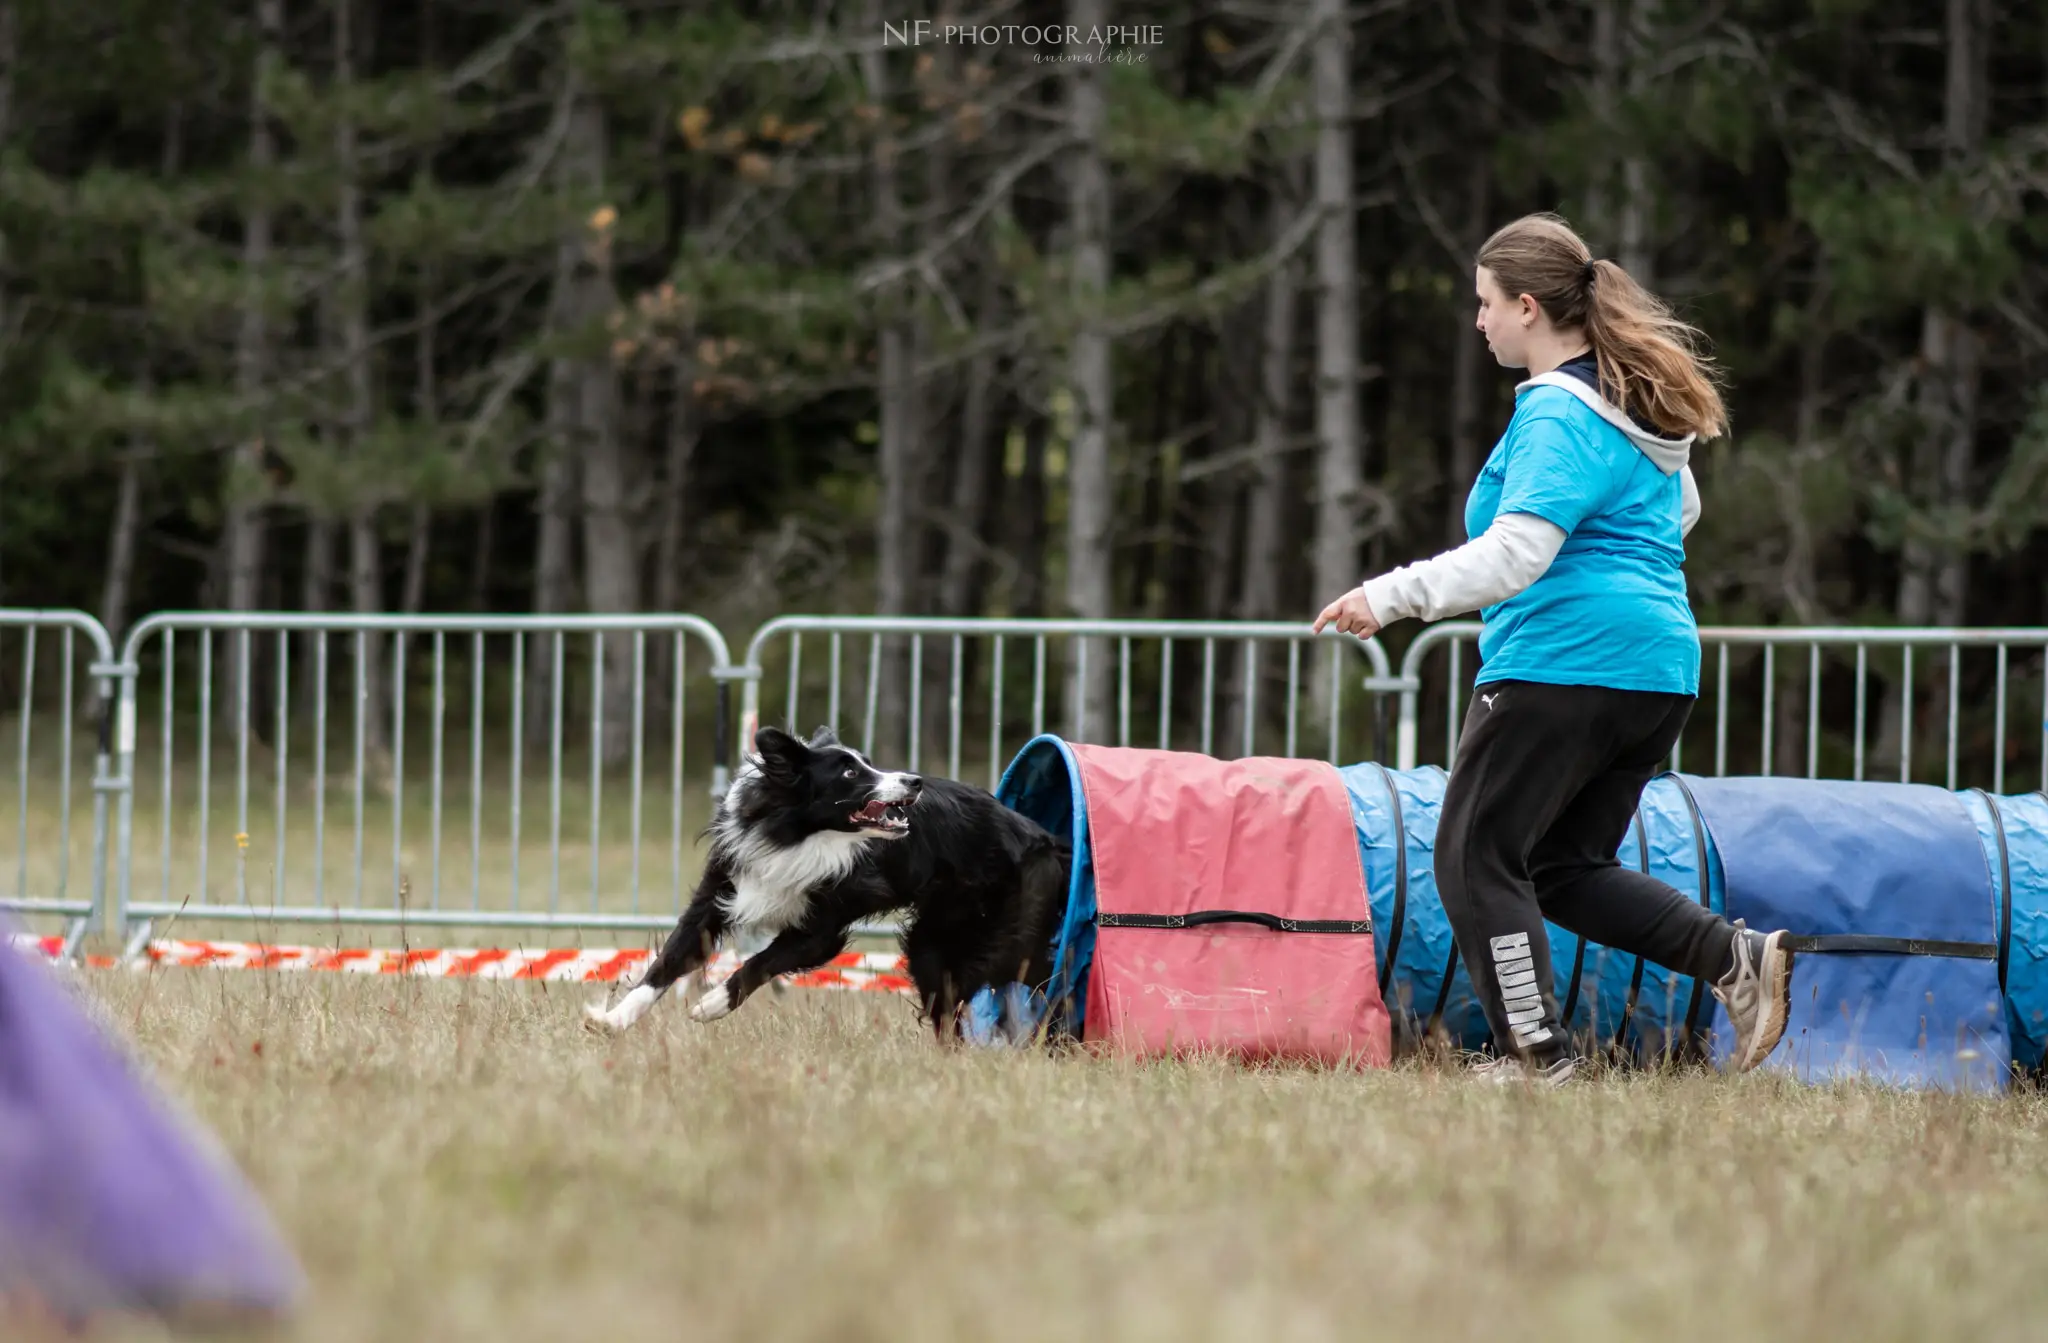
[987,699]
[1808,701]
[44,876]
[295,861]
[582,717]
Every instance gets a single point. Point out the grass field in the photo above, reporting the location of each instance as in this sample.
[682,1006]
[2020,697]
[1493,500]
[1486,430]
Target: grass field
[460,1161]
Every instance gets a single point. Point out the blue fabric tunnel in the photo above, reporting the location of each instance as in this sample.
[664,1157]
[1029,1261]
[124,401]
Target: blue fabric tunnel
[1603,994]
[2013,832]
[1921,914]
[1888,886]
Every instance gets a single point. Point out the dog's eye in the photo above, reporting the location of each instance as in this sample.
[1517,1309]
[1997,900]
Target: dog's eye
[853,774]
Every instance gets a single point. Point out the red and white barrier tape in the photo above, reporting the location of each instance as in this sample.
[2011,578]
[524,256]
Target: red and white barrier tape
[868,972]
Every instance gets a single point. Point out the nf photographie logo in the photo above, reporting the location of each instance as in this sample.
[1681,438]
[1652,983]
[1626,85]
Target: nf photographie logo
[1046,42]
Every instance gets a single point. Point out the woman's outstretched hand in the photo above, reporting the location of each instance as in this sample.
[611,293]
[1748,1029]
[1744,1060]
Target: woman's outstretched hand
[1350,613]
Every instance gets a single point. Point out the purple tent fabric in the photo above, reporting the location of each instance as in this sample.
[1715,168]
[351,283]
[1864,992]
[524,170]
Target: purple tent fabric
[111,1198]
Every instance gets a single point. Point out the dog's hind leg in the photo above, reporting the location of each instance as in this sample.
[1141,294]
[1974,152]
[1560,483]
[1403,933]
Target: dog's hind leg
[792,952]
[690,945]
[937,984]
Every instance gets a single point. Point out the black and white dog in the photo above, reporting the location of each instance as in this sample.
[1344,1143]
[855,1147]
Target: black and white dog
[812,838]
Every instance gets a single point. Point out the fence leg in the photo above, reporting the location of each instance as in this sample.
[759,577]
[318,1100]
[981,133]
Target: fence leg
[721,740]
[1406,687]
[721,745]
[110,844]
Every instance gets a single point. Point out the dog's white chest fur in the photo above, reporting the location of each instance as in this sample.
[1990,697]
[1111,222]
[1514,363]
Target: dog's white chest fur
[771,886]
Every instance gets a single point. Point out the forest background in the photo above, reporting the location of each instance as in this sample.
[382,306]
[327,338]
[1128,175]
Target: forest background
[896,306]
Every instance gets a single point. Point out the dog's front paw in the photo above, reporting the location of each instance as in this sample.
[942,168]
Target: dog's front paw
[714,1004]
[621,1014]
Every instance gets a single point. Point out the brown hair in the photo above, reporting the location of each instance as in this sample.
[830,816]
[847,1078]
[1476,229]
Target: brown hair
[1650,361]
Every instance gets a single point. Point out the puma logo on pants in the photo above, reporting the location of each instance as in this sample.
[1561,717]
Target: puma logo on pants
[1515,970]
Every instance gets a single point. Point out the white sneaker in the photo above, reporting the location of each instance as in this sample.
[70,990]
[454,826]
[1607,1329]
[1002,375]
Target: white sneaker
[1509,1071]
[1757,995]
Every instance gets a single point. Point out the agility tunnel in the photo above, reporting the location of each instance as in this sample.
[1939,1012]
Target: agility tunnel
[1920,916]
[2013,832]
[1214,906]
[113,1200]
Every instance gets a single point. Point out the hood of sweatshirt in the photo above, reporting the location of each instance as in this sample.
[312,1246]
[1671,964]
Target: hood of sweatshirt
[1581,378]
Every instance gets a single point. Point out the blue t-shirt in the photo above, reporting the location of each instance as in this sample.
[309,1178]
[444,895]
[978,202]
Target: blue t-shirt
[1611,610]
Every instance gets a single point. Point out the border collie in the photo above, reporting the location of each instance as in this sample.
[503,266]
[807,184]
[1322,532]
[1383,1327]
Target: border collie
[811,838]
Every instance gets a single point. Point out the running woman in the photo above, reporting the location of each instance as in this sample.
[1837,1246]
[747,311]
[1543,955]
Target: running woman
[1589,656]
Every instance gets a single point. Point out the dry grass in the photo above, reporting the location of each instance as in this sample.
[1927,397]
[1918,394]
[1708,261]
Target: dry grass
[459,1161]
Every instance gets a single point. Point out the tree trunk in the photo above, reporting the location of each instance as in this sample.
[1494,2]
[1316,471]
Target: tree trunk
[427,412]
[936,392]
[896,530]
[1602,224]
[979,461]
[366,566]
[611,551]
[1266,541]
[1933,573]
[1468,373]
[995,504]
[1034,526]
[316,593]
[1801,581]
[1948,342]
[970,513]
[554,561]
[1222,524]
[1090,484]
[1338,476]
[419,533]
[242,537]
[365,671]
[1468,364]
[554,564]
[1152,527]
[933,395]
[117,592]
[1199,534]
[1931,578]
[480,568]
[554,558]
[121,543]
[679,451]
[1258,559]
[1638,196]
[1619,212]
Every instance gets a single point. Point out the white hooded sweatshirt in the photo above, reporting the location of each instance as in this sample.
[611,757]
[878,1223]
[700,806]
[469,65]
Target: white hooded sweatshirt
[1518,548]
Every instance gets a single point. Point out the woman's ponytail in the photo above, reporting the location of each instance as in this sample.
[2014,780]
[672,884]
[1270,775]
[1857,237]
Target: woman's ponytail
[1650,362]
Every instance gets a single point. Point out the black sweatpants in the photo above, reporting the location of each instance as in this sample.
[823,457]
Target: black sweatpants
[1546,782]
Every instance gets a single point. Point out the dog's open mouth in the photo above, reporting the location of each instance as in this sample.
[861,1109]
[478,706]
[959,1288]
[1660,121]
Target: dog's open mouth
[888,817]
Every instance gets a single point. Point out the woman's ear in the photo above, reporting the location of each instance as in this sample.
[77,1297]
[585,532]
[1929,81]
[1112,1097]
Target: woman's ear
[1528,309]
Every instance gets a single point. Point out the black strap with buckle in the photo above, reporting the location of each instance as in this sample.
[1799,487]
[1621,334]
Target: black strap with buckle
[1200,917]
[1865,944]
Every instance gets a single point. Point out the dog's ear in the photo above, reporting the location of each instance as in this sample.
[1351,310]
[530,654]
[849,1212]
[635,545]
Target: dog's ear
[824,737]
[782,756]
